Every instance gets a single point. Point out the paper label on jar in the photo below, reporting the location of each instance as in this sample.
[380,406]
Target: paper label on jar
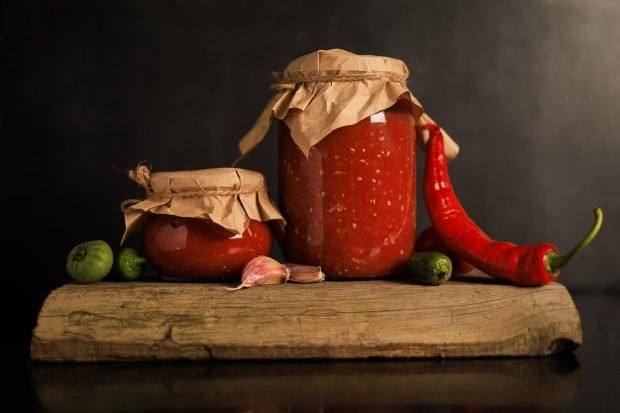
[329,89]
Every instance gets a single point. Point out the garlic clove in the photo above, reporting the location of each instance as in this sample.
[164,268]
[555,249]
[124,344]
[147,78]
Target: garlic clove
[262,270]
[305,274]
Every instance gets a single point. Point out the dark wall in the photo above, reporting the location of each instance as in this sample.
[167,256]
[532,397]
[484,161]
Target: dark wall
[529,88]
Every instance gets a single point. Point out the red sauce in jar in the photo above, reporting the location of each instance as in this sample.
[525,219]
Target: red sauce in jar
[350,207]
[192,248]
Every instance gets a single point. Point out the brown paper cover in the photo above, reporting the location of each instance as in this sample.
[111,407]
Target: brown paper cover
[230,197]
[328,89]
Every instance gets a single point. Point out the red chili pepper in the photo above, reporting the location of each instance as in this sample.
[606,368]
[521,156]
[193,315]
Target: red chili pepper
[523,265]
[429,240]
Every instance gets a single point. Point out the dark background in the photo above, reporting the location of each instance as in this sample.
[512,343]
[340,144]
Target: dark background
[530,89]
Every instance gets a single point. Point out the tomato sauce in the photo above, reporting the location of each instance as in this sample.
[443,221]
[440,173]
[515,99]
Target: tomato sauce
[193,248]
[351,205]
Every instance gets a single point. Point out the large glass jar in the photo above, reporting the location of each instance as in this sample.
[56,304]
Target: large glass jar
[351,205]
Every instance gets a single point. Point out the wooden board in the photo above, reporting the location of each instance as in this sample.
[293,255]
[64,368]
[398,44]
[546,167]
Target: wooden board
[469,317]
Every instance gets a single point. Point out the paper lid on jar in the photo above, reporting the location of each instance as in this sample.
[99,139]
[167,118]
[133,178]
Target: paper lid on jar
[328,89]
[230,197]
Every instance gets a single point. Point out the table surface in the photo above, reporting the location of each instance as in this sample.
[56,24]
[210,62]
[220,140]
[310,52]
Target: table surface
[587,380]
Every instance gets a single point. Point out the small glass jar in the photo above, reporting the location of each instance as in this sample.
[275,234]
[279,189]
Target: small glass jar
[351,205]
[204,224]
[192,248]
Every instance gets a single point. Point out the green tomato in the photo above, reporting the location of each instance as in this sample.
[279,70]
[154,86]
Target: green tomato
[129,264]
[90,261]
[430,267]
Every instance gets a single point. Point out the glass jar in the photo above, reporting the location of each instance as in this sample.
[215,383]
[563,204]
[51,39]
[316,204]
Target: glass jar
[347,162]
[204,224]
[351,205]
[192,248]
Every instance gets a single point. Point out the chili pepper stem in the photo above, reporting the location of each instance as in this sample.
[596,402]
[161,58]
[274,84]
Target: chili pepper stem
[556,261]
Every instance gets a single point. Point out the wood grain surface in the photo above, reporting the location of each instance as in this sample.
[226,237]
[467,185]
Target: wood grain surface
[467,317]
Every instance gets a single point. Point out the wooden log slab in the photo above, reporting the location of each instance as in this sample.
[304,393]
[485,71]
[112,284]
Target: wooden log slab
[468,317]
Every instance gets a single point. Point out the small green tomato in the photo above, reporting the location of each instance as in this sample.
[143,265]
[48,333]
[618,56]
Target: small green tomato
[430,267]
[90,261]
[129,265]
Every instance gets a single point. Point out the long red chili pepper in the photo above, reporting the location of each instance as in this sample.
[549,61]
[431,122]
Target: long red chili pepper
[523,265]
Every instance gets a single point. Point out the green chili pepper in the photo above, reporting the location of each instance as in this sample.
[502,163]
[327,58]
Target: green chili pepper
[90,261]
[430,267]
[129,265]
